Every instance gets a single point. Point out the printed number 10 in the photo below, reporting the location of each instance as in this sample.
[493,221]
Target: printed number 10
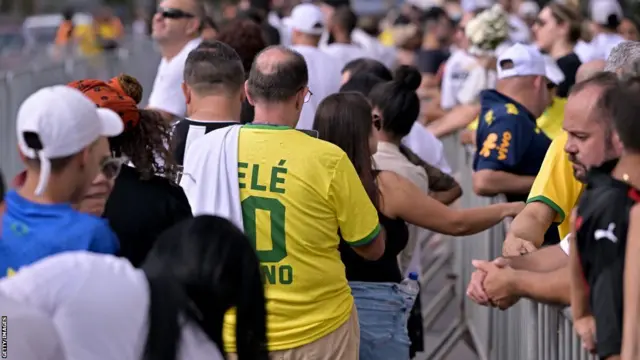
[277,219]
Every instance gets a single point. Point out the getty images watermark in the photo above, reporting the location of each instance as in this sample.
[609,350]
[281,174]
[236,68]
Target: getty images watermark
[3,334]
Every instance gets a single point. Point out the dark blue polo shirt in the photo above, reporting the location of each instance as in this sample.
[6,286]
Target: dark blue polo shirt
[508,139]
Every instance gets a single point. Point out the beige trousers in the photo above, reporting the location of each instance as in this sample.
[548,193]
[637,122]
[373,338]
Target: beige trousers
[342,344]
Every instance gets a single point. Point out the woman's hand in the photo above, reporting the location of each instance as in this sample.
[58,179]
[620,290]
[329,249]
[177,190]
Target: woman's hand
[513,208]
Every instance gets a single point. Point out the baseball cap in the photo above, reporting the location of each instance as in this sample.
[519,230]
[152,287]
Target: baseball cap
[59,121]
[306,18]
[602,9]
[552,70]
[526,59]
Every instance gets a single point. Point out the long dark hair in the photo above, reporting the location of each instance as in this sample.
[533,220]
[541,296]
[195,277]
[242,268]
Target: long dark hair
[344,119]
[145,144]
[200,268]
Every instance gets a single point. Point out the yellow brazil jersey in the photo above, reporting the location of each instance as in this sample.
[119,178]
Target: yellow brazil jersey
[550,122]
[555,184]
[297,194]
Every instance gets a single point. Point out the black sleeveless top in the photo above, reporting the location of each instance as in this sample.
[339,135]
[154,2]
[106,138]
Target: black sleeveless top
[386,268]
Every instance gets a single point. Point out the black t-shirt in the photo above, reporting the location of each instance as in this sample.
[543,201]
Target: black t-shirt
[139,210]
[429,61]
[601,237]
[603,219]
[569,65]
[386,268]
[188,130]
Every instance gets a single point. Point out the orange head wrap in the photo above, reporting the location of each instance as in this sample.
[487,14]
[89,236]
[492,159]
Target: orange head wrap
[111,96]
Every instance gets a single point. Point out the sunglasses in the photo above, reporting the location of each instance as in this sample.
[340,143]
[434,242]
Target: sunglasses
[171,13]
[110,167]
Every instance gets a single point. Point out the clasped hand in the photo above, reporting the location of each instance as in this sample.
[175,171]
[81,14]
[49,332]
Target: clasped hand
[492,284]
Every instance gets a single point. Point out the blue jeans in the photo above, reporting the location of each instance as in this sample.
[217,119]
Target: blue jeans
[383,318]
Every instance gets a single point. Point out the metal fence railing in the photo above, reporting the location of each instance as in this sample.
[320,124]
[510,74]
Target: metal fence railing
[526,331]
[137,58]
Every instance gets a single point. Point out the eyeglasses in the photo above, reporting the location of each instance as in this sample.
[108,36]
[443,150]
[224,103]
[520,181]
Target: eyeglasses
[307,96]
[110,167]
[172,13]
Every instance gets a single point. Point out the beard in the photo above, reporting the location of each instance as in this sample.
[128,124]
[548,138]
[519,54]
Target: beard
[579,169]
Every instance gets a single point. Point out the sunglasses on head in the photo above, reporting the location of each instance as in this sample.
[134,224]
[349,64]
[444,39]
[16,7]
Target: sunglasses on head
[110,167]
[171,13]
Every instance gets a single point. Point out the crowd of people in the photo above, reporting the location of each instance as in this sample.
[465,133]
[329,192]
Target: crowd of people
[269,201]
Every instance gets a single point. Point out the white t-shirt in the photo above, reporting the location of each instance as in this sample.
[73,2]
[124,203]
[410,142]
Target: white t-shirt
[384,54]
[602,44]
[167,93]
[456,70]
[324,80]
[31,335]
[345,53]
[428,147]
[565,244]
[519,32]
[99,304]
[584,51]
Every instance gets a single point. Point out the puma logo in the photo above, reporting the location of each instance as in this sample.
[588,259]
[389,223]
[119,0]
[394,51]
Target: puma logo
[606,234]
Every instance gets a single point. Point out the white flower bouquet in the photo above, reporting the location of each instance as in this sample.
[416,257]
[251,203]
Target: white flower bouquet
[487,30]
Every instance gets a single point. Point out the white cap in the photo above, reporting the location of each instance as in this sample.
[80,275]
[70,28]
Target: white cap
[65,122]
[553,71]
[307,19]
[602,9]
[526,59]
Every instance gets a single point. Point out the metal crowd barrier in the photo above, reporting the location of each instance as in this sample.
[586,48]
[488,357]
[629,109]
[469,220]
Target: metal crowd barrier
[526,331]
[136,57]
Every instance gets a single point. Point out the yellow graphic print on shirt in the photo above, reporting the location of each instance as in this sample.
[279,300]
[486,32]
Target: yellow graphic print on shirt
[489,144]
[504,145]
[511,109]
[488,117]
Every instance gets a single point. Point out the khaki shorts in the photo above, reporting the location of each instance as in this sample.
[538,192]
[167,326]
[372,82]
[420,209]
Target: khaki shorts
[342,344]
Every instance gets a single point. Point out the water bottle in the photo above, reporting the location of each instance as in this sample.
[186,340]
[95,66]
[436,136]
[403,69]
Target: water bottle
[411,288]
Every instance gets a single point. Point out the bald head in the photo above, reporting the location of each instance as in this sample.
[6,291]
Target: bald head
[277,74]
[588,69]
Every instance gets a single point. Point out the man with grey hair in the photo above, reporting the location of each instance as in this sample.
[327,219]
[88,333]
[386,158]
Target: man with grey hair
[622,56]
[543,275]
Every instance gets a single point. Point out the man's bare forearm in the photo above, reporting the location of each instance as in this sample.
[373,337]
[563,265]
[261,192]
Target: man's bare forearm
[549,288]
[491,183]
[545,260]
